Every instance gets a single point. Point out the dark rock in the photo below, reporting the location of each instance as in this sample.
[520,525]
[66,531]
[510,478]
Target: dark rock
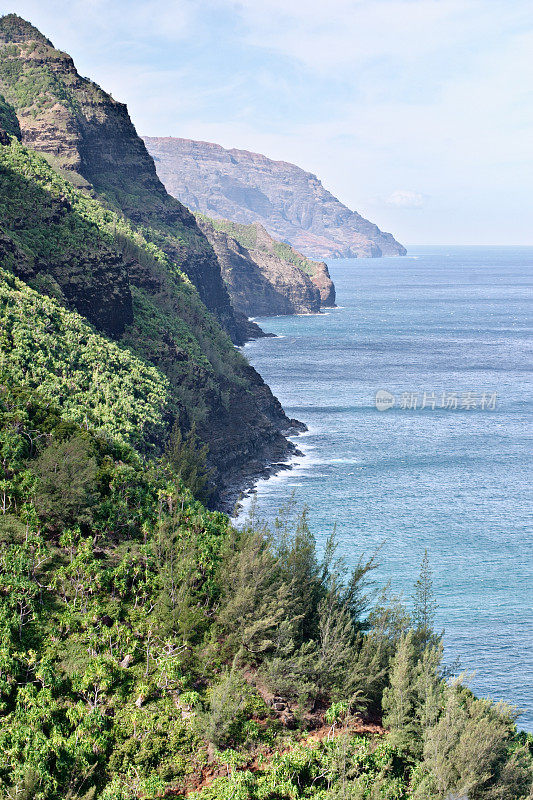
[260,282]
[288,720]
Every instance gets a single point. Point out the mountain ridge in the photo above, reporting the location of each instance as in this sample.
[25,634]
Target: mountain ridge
[51,216]
[291,203]
[88,136]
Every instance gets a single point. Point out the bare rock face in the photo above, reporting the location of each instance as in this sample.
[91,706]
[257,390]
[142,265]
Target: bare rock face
[89,137]
[248,187]
[261,278]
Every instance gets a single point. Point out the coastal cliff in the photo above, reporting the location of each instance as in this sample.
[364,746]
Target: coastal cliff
[248,187]
[88,136]
[85,221]
[266,277]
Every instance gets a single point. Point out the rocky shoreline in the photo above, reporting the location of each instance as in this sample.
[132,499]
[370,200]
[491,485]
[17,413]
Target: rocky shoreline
[241,487]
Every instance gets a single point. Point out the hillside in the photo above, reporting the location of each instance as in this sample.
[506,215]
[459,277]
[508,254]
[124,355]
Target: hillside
[88,136]
[150,650]
[266,277]
[69,243]
[248,187]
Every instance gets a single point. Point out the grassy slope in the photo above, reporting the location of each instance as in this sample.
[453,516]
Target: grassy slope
[96,383]
[246,235]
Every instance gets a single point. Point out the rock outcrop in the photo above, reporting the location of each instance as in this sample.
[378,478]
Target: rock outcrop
[265,277]
[89,137]
[248,187]
[81,270]
[87,220]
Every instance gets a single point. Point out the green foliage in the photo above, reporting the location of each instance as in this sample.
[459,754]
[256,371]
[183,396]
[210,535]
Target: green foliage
[94,629]
[66,483]
[424,602]
[8,119]
[346,767]
[246,236]
[187,457]
[96,382]
[472,751]
[68,242]
[131,620]
[399,696]
[226,716]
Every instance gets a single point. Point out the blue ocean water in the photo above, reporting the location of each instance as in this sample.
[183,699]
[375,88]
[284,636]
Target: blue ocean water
[452,320]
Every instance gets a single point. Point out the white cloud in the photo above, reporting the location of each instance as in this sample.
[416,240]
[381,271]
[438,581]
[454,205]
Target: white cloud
[342,33]
[403,198]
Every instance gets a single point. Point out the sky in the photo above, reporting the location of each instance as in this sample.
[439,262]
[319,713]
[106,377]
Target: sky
[416,113]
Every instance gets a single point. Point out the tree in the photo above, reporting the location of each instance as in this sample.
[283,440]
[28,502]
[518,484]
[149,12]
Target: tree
[425,605]
[227,700]
[472,751]
[429,686]
[299,569]
[399,697]
[367,672]
[335,642]
[255,600]
[66,488]
[187,457]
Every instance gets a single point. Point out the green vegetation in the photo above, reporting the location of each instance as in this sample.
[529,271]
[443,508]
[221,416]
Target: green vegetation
[147,647]
[141,636]
[68,245]
[95,382]
[8,119]
[247,236]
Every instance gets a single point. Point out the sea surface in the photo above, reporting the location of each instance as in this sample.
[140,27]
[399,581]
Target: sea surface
[450,472]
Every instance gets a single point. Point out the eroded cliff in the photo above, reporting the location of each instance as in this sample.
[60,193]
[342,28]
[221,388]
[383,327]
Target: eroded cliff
[266,277]
[89,137]
[86,221]
[248,187]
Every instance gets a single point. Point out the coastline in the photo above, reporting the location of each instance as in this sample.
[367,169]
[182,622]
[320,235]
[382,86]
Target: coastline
[242,490]
[299,461]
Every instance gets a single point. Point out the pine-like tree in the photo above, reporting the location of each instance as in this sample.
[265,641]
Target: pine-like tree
[425,605]
[399,698]
[188,457]
[472,752]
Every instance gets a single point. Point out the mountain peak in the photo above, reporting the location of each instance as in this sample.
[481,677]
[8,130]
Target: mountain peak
[16,29]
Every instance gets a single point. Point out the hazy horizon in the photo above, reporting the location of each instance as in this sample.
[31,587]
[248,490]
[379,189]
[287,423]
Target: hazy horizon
[415,113]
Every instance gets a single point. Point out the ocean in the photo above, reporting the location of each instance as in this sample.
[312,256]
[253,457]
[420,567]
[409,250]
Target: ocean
[444,335]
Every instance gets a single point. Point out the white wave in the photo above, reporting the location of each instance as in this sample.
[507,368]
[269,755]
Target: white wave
[295,467]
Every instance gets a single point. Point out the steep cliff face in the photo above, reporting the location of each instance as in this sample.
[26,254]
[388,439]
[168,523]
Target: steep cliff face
[45,242]
[89,137]
[287,270]
[248,187]
[68,237]
[265,277]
